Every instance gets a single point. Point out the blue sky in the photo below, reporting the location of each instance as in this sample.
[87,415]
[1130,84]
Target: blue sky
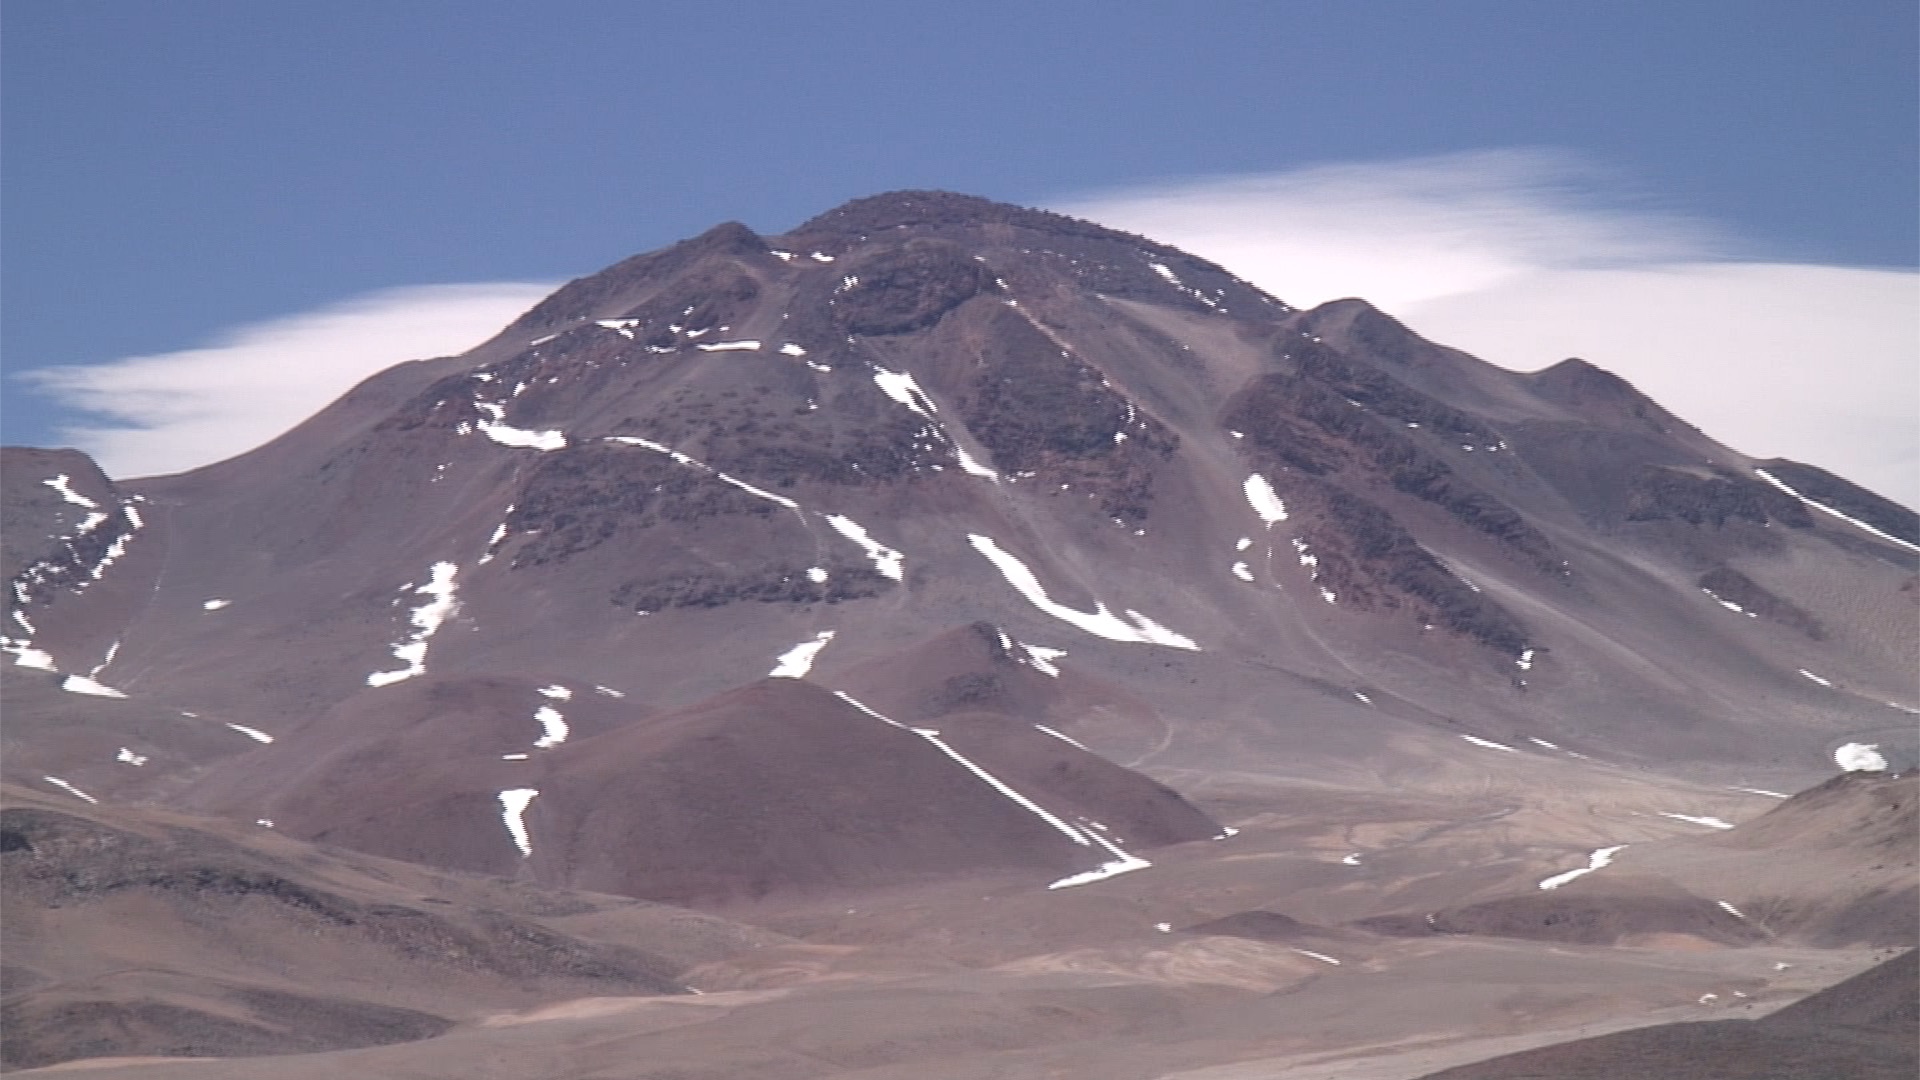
[193,175]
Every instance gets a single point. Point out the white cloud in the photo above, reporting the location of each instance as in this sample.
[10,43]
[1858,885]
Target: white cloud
[180,410]
[1524,259]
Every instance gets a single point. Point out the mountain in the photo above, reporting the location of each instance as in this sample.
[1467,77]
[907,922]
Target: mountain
[939,549]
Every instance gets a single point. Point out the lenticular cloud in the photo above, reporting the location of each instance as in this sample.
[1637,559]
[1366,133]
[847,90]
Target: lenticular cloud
[173,411]
[1527,257]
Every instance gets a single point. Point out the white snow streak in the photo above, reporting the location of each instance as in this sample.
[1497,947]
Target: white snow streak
[215,604]
[1709,822]
[63,485]
[728,346]
[1121,862]
[885,559]
[796,662]
[1599,858]
[971,466]
[1730,909]
[1322,957]
[1815,678]
[69,788]
[997,784]
[1352,860]
[1489,744]
[252,733]
[1100,622]
[556,692]
[426,619]
[1860,757]
[1062,737]
[691,462]
[1855,522]
[1241,571]
[1762,791]
[513,807]
[1525,663]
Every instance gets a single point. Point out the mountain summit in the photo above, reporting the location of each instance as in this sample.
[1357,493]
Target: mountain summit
[942,540]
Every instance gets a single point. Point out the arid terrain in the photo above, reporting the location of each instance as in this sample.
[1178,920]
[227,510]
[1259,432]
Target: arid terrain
[957,641]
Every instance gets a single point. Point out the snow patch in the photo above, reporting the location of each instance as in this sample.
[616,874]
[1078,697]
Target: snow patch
[796,662]
[1815,678]
[1730,909]
[252,733]
[728,346]
[215,604]
[1542,742]
[1100,622]
[1525,663]
[81,684]
[1241,571]
[556,692]
[791,349]
[1041,659]
[1762,791]
[553,727]
[1243,543]
[1322,957]
[816,574]
[1125,864]
[513,808]
[129,757]
[426,619]
[1599,858]
[28,657]
[521,438]
[1261,496]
